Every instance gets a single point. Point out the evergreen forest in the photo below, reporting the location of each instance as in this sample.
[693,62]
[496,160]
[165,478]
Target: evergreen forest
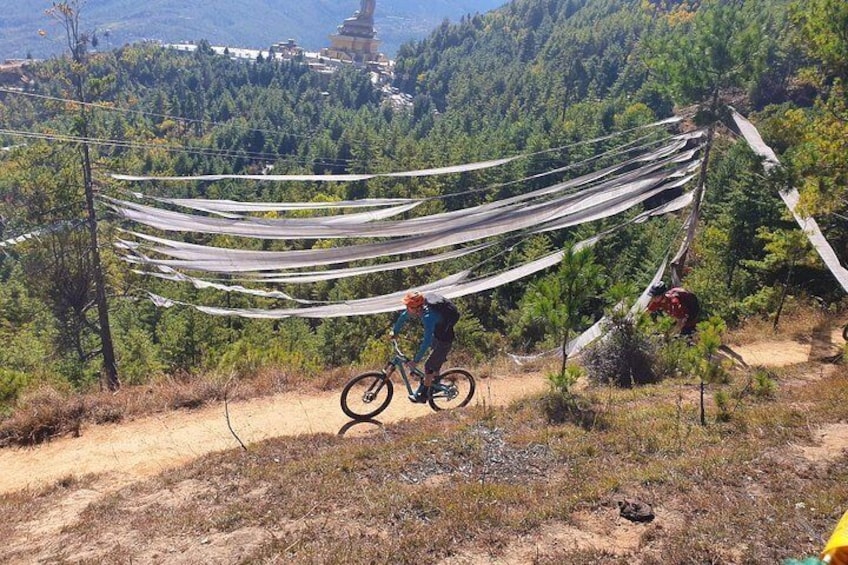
[563,84]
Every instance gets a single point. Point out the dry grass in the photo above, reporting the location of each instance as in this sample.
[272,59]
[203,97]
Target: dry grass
[795,322]
[482,485]
[494,484]
[46,413]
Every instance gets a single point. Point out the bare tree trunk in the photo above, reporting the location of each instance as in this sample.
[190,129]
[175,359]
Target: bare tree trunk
[679,265]
[564,352]
[783,294]
[110,367]
[68,14]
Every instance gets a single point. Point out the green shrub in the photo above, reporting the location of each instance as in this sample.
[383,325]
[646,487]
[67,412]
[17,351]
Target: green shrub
[240,358]
[376,353]
[299,360]
[722,401]
[245,358]
[624,357]
[562,381]
[710,367]
[77,373]
[764,301]
[139,359]
[763,384]
[12,383]
[674,358]
[474,340]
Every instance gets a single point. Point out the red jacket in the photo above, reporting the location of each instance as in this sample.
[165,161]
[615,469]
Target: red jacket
[680,304]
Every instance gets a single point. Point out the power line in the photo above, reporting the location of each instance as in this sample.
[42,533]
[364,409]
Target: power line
[260,155]
[190,121]
[109,108]
[208,152]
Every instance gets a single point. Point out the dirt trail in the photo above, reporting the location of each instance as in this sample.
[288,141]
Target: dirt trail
[127,452]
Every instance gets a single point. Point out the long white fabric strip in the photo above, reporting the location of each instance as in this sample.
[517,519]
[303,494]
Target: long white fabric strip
[230,206]
[394,298]
[385,303]
[451,287]
[319,276]
[374,305]
[335,227]
[790,198]
[69,225]
[169,274]
[172,275]
[200,258]
[350,178]
[470,167]
[333,274]
[168,220]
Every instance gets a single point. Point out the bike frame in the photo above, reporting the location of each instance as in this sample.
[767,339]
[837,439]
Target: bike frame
[398,361]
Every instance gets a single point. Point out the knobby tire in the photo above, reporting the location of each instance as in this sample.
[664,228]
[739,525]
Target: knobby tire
[462,385]
[354,401]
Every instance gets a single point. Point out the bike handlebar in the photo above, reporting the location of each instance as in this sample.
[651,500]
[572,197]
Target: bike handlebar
[404,358]
[398,352]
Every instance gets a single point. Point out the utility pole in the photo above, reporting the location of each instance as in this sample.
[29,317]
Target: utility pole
[68,14]
[678,264]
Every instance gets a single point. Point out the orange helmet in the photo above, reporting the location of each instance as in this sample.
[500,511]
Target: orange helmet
[413,299]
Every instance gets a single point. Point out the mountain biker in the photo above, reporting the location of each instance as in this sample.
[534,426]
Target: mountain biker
[679,303]
[438,315]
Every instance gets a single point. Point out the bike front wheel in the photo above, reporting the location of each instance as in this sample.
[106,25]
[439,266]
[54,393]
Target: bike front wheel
[366,395]
[845,332]
[454,389]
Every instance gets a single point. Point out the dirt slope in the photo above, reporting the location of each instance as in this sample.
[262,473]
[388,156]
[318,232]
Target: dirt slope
[128,452]
[131,451]
[125,453]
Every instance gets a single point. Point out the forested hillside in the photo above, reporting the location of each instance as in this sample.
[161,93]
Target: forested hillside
[257,24]
[543,81]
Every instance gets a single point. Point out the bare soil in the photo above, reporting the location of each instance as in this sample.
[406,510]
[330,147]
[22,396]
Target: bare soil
[127,452]
[105,459]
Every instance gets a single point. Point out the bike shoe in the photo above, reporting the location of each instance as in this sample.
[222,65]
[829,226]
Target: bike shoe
[417,398]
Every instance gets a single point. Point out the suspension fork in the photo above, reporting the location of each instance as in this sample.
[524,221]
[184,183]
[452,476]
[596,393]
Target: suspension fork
[376,386]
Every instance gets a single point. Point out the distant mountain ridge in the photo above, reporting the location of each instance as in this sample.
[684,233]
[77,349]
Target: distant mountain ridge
[247,23]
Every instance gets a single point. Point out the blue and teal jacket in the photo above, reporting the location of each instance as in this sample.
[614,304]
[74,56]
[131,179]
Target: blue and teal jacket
[430,318]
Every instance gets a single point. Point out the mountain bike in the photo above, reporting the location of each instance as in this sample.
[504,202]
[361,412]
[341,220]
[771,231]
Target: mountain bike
[845,332]
[368,394]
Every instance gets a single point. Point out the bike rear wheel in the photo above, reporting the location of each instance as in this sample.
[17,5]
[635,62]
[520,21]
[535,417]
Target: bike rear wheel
[366,395]
[454,389]
[845,332]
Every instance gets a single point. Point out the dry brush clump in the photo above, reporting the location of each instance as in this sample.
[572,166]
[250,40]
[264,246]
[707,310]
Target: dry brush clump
[624,357]
[43,414]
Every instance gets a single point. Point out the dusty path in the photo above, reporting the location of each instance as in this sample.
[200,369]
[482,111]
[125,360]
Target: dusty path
[126,452]
[130,451]
[785,352]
